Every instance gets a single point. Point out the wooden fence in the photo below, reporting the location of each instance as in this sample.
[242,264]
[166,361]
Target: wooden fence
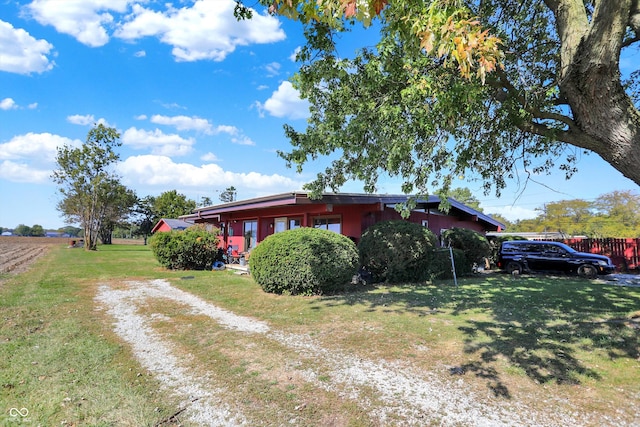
[623,252]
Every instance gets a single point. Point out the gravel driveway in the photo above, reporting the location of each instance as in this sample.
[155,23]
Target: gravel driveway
[418,398]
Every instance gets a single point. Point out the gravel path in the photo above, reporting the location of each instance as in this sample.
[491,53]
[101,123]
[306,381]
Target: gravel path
[419,398]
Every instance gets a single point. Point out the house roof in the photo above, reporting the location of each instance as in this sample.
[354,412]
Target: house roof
[302,198]
[174,224]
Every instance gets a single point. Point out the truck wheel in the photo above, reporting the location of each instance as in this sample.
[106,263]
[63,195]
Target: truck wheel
[587,271]
[514,266]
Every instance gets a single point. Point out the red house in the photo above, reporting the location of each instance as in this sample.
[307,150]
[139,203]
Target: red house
[245,223]
[168,224]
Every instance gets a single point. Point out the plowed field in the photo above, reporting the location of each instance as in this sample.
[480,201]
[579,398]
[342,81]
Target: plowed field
[17,253]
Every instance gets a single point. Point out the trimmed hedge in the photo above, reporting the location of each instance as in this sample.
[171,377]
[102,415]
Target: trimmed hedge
[475,245]
[440,265]
[304,261]
[192,249]
[397,251]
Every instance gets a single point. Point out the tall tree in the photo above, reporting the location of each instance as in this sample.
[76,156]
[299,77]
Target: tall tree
[118,204]
[229,194]
[464,195]
[617,214]
[71,231]
[455,86]
[144,216]
[566,216]
[37,230]
[84,175]
[172,204]
[22,230]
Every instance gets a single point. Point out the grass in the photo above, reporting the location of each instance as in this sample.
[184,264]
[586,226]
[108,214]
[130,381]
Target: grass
[535,339]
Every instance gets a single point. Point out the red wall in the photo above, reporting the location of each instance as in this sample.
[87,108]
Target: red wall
[355,219]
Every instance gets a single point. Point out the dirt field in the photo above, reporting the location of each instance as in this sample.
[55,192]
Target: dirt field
[17,253]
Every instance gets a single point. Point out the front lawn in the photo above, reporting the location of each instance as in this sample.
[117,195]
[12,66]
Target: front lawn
[538,340]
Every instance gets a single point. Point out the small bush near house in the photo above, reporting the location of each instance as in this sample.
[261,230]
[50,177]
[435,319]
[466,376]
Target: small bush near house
[440,265]
[192,249]
[397,251]
[304,261]
[475,246]
[497,241]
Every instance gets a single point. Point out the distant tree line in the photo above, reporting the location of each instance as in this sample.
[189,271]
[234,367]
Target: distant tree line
[615,214]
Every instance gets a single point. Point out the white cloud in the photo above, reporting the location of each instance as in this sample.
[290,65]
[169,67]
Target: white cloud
[39,147]
[286,102]
[231,130]
[209,157]
[32,106]
[295,53]
[8,104]
[78,119]
[30,158]
[21,53]
[162,171]
[184,123]
[140,54]
[86,20]
[273,69]
[87,120]
[141,117]
[243,140]
[22,172]
[205,31]
[158,142]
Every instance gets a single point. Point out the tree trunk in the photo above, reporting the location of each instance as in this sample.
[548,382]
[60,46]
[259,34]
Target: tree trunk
[606,121]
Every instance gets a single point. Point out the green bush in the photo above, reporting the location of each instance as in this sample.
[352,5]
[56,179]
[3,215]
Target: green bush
[440,265]
[475,246]
[192,249]
[304,261]
[497,241]
[397,251]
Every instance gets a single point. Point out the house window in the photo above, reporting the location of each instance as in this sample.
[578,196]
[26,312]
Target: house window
[250,233]
[331,223]
[425,223]
[295,223]
[279,225]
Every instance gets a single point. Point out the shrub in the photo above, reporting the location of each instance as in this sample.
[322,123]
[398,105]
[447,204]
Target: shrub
[497,241]
[474,245]
[304,261]
[397,251]
[440,265]
[192,249]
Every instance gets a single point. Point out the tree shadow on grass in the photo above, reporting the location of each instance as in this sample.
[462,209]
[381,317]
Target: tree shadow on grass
[541,324]
[538,324]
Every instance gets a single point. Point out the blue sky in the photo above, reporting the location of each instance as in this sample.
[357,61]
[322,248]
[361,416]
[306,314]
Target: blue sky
[199,99]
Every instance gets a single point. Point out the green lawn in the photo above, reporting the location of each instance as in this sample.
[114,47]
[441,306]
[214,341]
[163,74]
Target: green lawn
[524,339]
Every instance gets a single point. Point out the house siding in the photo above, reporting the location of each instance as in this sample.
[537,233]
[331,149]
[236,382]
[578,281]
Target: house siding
[356,214]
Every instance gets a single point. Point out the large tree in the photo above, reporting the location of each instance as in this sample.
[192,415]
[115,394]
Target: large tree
[229,194]
[464,195]
[465,87]
[144,217]
[118,205]
[171,204]
[86,180]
